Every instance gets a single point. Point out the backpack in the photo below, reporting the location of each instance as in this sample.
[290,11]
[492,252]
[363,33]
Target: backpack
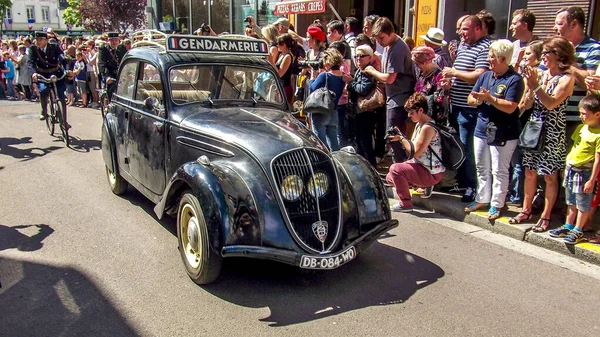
[453,152]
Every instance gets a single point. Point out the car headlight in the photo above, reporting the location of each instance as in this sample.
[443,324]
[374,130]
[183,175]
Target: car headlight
[318,185]
[292,187]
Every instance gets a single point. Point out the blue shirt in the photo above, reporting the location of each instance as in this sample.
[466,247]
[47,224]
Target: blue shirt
[334,83]
[587,54]
[508,86]
[11,70]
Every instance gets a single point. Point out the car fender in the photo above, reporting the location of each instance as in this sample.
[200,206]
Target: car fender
[109,146]
[229,208]
[368,189]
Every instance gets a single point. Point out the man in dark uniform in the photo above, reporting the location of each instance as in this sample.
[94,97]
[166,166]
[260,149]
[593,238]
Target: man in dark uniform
[46,60]
[108,62]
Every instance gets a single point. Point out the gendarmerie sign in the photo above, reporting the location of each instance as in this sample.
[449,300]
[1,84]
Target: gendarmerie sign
[222,45]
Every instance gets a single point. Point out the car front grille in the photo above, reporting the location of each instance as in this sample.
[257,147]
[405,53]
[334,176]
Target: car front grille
[307,210]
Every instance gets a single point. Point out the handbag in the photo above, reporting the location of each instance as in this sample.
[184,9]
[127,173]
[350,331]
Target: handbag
[494,135]
[533,136]
[373,100]
[320,101]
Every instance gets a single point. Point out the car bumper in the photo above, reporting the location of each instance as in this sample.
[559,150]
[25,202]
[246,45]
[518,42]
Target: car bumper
[294,258]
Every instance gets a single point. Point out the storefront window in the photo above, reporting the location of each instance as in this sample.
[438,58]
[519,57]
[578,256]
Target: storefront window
[241,9]
[220,15]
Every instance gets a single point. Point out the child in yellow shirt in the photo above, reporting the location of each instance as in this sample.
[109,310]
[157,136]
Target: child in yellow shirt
[583,166]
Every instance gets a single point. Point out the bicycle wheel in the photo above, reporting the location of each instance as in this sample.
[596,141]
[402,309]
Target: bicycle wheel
[62,121]
[51,120]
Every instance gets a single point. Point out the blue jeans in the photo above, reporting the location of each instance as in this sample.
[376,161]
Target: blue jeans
[326,128]
[466,119]
[517,178]
[10,87]
[397,117]
[583,201]
[342,125]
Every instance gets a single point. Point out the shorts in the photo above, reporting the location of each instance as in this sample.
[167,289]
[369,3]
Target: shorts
[583,201]
[71,88]
[81,85]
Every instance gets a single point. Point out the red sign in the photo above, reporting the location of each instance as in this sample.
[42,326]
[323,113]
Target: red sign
[300,7]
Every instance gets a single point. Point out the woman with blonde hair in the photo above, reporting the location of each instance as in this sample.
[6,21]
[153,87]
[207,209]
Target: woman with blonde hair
[269,32]
[496,95]
[550,97]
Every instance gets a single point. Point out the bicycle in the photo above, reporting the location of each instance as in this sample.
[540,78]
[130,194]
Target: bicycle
[55,113]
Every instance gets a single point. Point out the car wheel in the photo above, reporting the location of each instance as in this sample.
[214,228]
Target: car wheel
[117,184]
[202,263]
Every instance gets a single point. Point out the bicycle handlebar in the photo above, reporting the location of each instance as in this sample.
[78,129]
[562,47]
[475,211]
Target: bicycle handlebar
[52,78]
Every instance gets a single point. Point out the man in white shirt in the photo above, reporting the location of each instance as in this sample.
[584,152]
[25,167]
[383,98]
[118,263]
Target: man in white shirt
[522,30]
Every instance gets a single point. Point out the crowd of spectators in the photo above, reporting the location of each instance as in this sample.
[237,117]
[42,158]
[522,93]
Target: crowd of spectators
[486,90]
[80,59]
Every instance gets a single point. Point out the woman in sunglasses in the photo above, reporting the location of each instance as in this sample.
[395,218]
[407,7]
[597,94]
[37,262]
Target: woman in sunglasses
[550,96]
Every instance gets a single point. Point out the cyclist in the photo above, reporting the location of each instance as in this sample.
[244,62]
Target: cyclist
[108,62]
[46,59]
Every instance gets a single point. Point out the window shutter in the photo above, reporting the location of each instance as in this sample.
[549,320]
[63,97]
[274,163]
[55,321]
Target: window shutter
[545,13]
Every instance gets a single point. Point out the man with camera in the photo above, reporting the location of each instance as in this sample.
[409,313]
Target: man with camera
[205,30]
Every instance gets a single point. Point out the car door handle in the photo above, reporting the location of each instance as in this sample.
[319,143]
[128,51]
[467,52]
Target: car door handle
[159,126]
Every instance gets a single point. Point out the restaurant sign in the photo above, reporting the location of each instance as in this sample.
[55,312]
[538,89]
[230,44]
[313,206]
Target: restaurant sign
[300,7]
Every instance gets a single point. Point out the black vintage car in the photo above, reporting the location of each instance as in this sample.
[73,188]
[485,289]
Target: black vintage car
[199,126]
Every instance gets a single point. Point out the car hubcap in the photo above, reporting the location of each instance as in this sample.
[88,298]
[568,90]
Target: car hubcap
[112,178]
[190,235]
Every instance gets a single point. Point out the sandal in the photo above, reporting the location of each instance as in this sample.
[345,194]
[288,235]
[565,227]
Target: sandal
[523,216]
[473,206]
[493,213]
[539,226]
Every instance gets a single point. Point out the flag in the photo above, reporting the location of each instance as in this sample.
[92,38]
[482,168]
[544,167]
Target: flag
[7,23]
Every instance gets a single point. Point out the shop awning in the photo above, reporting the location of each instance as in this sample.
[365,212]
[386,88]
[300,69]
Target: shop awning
[300,7]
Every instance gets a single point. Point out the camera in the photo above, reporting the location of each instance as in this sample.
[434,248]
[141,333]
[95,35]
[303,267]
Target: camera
[392,131]
[205,28]
[247,19]
[317,64]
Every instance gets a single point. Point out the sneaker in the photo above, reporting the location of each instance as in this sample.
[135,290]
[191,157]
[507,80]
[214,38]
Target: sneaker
[574,237]
[427,192]
[43,116]
[400,208]
[469,195]
[560,232]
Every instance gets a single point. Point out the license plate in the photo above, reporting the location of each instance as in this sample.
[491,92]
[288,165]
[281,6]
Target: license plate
[328,262]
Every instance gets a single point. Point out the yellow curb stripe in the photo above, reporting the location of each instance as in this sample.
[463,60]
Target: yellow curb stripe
[589,246]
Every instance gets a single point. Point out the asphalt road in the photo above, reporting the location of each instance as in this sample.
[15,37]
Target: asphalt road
[76,260]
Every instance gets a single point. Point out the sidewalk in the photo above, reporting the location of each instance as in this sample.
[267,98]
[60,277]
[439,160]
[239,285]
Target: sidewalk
[450,205]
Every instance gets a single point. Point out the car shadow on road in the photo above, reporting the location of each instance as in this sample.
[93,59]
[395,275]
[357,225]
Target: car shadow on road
[8,147]
[13,237]
[44,300]
[139,200]
[382,275]
[84,145]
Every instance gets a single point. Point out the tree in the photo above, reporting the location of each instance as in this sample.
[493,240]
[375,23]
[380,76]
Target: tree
[72,15]
[115,15]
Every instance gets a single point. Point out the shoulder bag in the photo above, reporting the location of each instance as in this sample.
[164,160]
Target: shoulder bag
[373,100]
[320,101]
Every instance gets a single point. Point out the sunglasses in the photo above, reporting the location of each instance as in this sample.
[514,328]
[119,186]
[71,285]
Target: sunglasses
[361,56]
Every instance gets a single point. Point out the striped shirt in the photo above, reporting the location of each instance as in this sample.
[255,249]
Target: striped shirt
[587,54]
[468,58]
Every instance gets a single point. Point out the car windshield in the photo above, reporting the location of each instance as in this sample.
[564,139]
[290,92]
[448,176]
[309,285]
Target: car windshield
[201,83]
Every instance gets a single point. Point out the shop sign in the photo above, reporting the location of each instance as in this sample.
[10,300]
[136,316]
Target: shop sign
[426,18]
[300,7]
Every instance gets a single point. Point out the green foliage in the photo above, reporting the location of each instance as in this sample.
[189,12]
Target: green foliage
[72,15]
[168,18]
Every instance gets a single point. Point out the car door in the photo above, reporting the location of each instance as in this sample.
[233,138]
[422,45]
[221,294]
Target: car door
[121,101]
[147,130]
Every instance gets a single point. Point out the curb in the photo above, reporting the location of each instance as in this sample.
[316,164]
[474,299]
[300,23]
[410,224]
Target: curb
[450,206]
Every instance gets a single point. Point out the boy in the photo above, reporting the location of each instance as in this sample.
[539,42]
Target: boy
[583,165]
[80,72]
[9,74]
